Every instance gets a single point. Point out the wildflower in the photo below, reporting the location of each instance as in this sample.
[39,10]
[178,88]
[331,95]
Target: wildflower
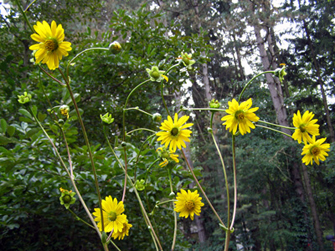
[187,60]
[51,47]
[316,151]
[115,47]
[67,198]
[166,156]
[64,110]
[112,213]
[107,118]
[241,116]
[214,104]
[156,75]
[304,126]
[188,203]
[125,231]
[25,98]
[174,132]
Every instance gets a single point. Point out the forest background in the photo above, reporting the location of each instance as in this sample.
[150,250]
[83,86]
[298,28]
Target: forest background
[282,204]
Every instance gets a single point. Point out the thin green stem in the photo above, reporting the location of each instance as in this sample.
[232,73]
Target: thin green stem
[174,215]
[58,81]
[138,109]
[268,123]
[173,66]
[140,129]
[202,109]
[269,128]
[166,108]
[235,183]
[146,218]
[250,81]
[203,192]
[80,53]
[224,170]
[67,171]
[68,152]
[87,144]
[80,219]
[125,106]
[24,15]
[29,6]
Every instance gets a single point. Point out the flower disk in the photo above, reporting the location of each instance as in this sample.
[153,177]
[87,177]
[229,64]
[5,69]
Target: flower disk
[304,126]
[51,47]
[316,151]
[188,203]
[241,116]
[112,213]
[174,132]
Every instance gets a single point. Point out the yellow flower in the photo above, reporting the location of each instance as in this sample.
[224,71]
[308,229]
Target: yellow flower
[121,234]
[166,155]
[304,126]
[241,116]
[316,151]
[188,203]
[112,213]
[51,47]
[174,132]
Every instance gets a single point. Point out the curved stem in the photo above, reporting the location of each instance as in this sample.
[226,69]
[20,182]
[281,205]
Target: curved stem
[203,192]
[174,215]
[29,6]
[146,218]
[140,129]
[80,219]
[269,128]
[173,66]
[58,81]
[268,123]
[87,144]
[202,109]
[80,53]
[250,81]
[138,109]
[24,15]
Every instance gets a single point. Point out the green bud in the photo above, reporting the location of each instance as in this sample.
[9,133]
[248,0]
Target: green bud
[123,144]
[214,104]
[155,74]
[64,110]
[172,194]
[187,60]
[140,185]
[280,73]
[115,47]
[67,198]
[25,98]
[107,118]
[104,237]
[210,130]
[157,117]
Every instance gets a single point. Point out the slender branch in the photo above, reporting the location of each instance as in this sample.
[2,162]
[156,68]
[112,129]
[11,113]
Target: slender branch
[80,219]
[174,214]
[269,128]
[268,123]
[58,81]
[140,129]
[235,183]
[203,192]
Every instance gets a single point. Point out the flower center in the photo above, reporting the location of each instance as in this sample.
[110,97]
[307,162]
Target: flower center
[155,74]
[112,216]
[315,151]
[51,44]
[174,131]
[239,115]
[302,127]
[189,204]
[67,198]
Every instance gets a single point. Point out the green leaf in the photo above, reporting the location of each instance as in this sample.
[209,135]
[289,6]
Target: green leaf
[34,110]
[11,130]
[32,132]
[3,125]
[41,116]
[24,112]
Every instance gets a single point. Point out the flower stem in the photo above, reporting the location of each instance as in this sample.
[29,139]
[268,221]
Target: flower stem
[138,109]
[235,183]
[80,219]
[269,128]
[174,215]
[166,108]
[66,79]
[146,218]
[24,15]
[140,129]
[268,123]
[47,73]
[250,81]
[203,192]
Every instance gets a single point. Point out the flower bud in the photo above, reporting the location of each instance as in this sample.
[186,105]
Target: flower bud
[25,98]
[67,198]
[107,118]
[187,60]
[214,104]
[157,117]
[140,185]
[115,47]
[123,144]
[64,110]
[280,72]
[156,75]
